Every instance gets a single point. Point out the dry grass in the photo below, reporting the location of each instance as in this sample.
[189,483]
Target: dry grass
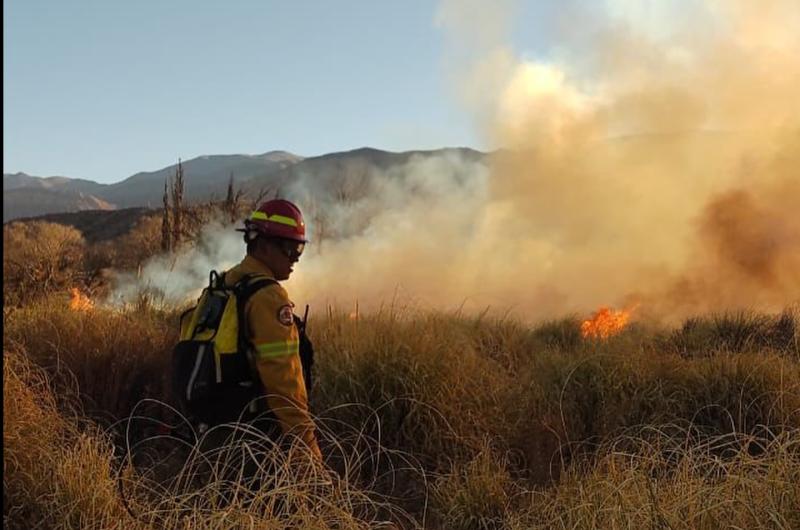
[663,483]
[55,475]
[114,358]
[431,420]
[61,473]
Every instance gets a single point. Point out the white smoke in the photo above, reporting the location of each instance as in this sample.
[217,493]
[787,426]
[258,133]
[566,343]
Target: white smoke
[415,233]
[174,279]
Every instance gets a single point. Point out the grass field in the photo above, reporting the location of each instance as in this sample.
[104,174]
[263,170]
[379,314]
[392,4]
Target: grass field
[430,420]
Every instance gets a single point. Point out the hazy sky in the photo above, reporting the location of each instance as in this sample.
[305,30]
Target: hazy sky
[102,89]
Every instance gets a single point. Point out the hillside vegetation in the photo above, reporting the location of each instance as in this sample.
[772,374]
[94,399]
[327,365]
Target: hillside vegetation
[430,420]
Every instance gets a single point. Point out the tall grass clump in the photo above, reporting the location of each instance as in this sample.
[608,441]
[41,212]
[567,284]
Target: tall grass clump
[114,358]
[420,381]
[737,332]
[586,398]
[55,475]
[476,494]
[663,482]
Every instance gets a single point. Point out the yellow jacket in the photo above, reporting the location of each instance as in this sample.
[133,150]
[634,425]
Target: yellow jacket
[275,340]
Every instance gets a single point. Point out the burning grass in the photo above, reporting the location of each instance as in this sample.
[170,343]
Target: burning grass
[605,323]
[430,419]
[79,301]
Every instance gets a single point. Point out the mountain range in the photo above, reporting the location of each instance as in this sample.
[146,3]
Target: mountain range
[205,177]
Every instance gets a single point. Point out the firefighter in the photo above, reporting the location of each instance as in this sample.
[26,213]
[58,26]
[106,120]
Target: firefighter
[275,238]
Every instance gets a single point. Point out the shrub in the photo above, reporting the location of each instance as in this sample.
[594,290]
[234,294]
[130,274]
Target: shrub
[40,257]
[129,251]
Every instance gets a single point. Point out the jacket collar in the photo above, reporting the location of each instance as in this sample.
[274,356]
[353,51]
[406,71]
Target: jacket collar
[251,265]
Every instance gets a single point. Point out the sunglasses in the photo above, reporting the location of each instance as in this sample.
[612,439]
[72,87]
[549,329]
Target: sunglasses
[291,249]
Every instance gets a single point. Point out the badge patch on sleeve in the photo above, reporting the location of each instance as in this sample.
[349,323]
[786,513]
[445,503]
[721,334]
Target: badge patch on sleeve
[285,316]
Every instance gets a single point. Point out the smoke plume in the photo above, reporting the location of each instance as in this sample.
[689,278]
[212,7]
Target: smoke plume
[651,158]
[647,166]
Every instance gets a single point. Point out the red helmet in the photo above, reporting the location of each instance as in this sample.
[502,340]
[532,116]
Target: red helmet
[277,218]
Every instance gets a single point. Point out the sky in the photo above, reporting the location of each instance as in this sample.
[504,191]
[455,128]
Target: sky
[103,89]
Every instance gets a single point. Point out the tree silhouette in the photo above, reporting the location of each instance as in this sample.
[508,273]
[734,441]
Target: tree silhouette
[166,229]
[233,200]
[177,206]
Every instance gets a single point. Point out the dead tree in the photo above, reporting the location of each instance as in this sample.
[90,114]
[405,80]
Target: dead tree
[166,229]
[232,202]
[262,194]
[177,206]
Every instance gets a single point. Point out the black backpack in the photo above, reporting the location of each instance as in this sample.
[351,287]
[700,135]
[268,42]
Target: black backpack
[213,374]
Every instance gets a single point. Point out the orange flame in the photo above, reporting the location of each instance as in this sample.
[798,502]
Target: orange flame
[79,301]
[605,323]
[354,315]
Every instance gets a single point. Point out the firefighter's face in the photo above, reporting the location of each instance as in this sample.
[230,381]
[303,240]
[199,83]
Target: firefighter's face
[280,255]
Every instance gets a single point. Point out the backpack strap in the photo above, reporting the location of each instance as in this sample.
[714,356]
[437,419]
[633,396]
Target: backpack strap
[246,287]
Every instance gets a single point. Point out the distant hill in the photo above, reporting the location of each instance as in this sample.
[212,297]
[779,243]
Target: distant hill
[207,177]
[29,201]
[12,181]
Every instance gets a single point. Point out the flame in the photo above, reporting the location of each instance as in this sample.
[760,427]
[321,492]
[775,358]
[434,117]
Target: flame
[605,323]
[79,301]
[354,315]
